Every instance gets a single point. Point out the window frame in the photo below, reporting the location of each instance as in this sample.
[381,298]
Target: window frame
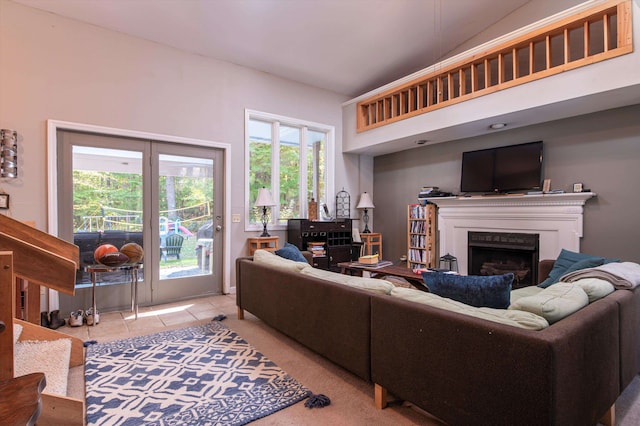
[276,121]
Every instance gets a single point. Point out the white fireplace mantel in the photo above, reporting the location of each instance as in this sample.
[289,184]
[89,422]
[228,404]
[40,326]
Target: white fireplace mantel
[556,218]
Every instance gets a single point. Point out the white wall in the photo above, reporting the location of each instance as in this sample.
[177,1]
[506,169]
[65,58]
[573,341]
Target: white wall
[56,68]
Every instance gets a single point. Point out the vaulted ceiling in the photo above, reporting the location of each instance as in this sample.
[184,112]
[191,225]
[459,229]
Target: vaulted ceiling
[345,46]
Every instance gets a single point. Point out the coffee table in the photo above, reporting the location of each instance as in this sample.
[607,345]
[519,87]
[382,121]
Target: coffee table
[354,268]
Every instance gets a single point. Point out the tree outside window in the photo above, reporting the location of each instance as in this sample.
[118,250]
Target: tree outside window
[289,157]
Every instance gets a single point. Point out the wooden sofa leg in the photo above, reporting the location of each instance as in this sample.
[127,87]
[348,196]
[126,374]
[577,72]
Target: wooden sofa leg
[240,313]
[609,418]
[380,396]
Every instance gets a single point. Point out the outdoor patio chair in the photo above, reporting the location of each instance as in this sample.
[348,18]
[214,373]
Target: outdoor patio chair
[173,246]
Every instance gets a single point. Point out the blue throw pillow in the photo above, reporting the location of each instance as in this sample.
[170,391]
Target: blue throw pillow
[291,252]
[493,291]
[570,261]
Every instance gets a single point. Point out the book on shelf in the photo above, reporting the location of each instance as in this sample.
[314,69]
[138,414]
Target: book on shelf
[317,248]
[418,212]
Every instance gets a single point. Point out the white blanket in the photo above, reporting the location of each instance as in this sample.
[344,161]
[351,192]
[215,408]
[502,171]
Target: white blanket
[623,275]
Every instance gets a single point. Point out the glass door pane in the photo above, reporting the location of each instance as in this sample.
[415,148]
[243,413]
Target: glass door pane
[185,196]
[107,204]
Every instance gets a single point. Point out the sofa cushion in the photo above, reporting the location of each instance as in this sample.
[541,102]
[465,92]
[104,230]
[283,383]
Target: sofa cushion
[266,257]
[520,319]
[530,290]
[554,302]
[371,284]
[291,252]
[492,291]
[595,288]
[569,261]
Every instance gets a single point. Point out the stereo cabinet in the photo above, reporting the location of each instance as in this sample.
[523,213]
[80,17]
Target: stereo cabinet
[330,242]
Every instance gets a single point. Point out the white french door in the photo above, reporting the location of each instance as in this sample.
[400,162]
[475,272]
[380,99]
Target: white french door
[166,197]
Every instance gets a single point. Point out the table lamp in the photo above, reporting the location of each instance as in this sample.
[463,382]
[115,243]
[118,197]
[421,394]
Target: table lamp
[365,204]
[264,200]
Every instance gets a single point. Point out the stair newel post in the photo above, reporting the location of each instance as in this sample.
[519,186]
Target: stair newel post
[7,313]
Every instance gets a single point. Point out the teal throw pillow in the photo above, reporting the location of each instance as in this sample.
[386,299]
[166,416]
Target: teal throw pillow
[291,252]
[570,261]
[493,291]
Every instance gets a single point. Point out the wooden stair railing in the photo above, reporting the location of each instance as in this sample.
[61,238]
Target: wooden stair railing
[42,259]
[25,404]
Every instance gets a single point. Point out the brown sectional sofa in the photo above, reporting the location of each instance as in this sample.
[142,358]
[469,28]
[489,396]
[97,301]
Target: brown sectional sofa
[331,319]
[464,370]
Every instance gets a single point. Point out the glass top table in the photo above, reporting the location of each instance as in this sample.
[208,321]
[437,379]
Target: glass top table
[94,270]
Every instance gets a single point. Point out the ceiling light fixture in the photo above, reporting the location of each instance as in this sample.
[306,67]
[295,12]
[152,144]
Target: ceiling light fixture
[496,126]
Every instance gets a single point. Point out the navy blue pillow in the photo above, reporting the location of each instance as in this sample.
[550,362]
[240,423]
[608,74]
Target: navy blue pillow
[289,251]
[493,291]
[569,261]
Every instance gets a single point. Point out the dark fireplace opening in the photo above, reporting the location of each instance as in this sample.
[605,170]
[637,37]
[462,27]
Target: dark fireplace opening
[496,253]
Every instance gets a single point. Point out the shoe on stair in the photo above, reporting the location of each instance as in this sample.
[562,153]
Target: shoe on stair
[91,317]
[44,319]
[55,321]
[76,318]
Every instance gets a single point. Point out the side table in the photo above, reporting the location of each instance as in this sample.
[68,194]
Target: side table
[262,243]
[94,270]
[372,243]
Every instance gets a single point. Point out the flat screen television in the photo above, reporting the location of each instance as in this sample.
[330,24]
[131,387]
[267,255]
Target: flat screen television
[502,169]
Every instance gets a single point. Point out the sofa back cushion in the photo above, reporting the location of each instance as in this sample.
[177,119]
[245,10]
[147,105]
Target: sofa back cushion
[520,319]
[554,302]
[266,257]
[595,288]
[569,261]
[370,284]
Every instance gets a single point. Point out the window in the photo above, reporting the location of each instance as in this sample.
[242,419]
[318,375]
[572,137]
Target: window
[292,158]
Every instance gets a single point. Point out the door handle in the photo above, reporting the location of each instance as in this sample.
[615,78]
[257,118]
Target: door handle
[219,228]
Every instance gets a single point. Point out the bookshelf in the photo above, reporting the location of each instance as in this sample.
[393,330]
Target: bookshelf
[421,236]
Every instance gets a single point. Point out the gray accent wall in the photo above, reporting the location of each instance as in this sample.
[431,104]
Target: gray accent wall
[601,150]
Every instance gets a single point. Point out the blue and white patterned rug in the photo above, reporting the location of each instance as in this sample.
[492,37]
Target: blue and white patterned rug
[202,375]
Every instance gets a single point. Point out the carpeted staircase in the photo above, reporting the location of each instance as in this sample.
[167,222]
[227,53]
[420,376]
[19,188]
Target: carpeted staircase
[50,357]
[36,258]
[41,350]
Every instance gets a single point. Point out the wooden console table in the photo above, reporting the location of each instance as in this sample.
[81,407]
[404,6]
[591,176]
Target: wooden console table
[372,243]
[262,243]
[354,268]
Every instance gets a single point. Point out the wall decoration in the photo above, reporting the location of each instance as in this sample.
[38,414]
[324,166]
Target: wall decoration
[343,205]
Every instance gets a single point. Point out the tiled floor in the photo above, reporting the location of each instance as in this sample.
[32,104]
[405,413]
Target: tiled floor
[119,325]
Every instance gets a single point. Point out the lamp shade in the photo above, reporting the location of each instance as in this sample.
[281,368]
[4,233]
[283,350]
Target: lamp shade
[264,198]
[365,202]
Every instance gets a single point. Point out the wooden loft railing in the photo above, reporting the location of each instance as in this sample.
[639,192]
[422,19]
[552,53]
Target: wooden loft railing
[593,35]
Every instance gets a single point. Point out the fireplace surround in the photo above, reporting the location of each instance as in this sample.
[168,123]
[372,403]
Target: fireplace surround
[556,218]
